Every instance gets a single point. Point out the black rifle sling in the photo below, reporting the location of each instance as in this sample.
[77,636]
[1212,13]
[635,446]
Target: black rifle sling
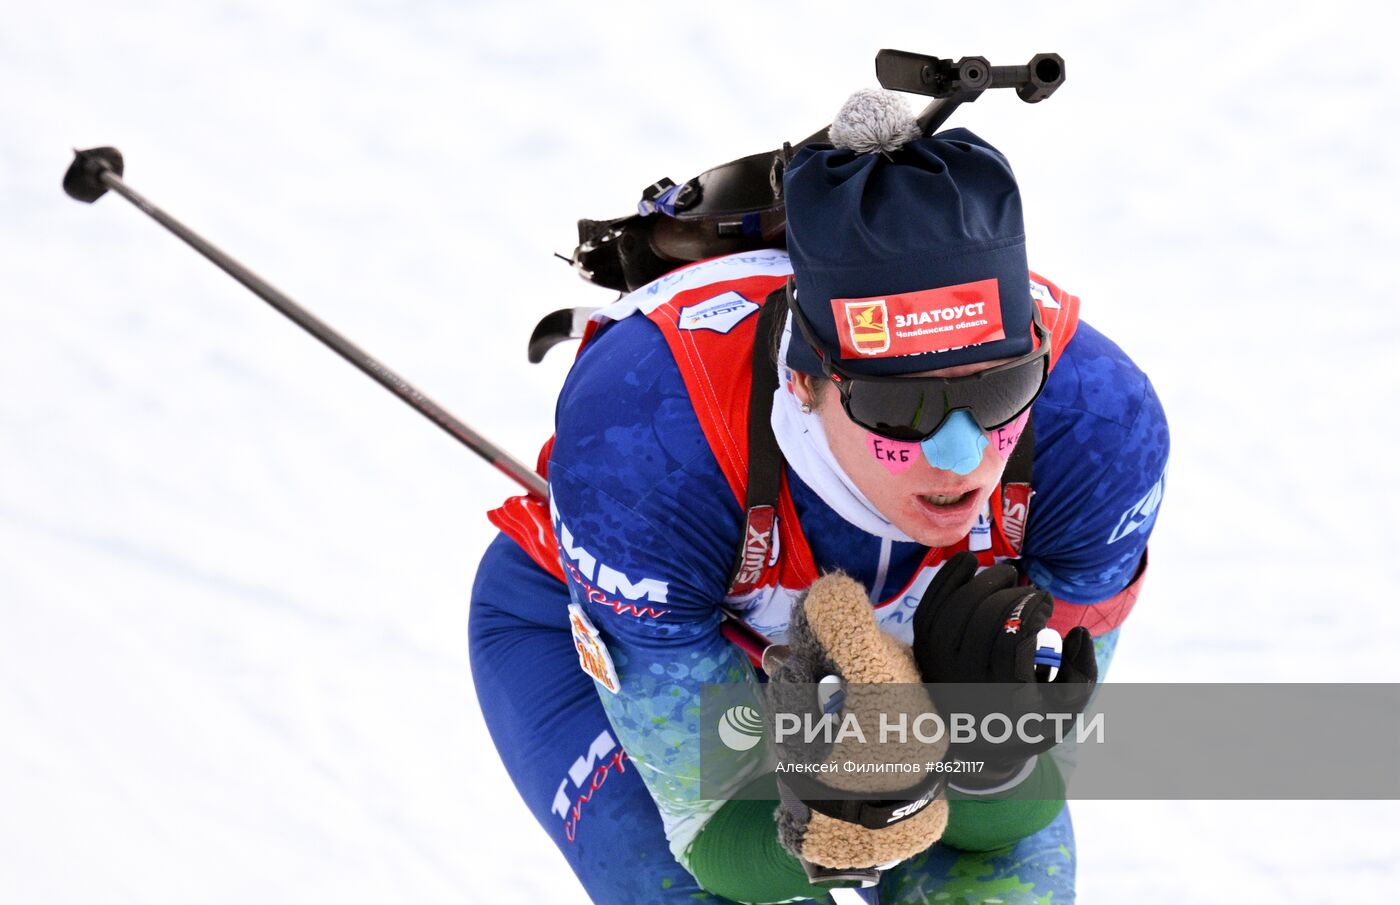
[765,478]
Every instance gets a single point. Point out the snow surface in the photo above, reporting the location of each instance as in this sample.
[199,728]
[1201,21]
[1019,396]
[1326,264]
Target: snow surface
[234,573]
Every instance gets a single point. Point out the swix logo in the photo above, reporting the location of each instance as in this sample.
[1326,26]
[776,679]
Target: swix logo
[912,808]
[869,326]
[587,779]
[760,549]
[1140,513]
[1016,507]
[598,580]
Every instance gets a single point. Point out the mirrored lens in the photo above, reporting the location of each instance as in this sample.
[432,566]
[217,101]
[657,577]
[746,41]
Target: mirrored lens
[911,409]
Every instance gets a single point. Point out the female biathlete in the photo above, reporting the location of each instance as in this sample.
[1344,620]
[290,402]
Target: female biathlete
[915,352]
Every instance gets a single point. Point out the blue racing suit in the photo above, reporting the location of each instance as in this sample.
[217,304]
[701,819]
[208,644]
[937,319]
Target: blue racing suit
[648,527]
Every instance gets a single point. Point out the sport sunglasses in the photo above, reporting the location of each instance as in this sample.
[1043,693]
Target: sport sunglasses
[912,409]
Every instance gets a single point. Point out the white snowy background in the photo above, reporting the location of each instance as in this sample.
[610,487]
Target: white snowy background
[234,572]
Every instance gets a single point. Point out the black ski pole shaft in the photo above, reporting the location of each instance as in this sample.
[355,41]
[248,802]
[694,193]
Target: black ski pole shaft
[97,169]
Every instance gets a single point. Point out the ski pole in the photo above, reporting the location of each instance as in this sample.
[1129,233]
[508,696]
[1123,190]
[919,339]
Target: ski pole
[96,170]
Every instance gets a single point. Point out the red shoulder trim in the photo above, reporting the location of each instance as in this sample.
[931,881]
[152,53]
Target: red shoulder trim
[525,519]
[1102,617]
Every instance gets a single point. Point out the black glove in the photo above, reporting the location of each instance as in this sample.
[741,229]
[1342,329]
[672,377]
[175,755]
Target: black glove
[979,628]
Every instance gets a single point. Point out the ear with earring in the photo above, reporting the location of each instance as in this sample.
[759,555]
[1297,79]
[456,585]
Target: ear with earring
[800,386]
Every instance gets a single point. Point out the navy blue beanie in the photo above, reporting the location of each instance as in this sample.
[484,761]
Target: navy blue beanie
[908,260]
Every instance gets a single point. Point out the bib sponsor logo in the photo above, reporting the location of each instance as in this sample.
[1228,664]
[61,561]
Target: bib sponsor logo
[1041,293]
[980,537]
[763,262]
[912,323]
[719,314]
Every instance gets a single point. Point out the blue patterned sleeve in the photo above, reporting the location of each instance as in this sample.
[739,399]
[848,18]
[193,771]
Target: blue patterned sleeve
[1100,472]
[647,527]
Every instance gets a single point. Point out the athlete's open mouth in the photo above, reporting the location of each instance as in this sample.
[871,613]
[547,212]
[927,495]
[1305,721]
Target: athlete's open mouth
[946,499]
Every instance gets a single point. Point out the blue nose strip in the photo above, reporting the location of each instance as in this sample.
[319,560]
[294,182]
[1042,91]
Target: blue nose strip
[958,445]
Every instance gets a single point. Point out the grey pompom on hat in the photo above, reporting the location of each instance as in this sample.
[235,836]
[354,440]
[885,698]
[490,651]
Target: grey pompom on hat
[873,120]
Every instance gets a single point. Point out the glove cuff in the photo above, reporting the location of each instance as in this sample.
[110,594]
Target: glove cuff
[873,814]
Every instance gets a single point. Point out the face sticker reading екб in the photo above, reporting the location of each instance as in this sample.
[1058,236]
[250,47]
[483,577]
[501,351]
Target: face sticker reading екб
[895,455]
